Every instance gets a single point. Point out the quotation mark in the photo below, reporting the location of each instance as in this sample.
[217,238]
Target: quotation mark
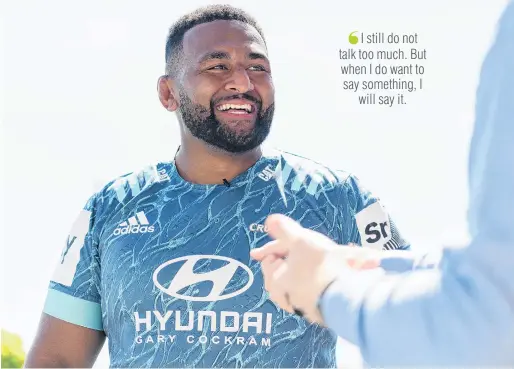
[354,40]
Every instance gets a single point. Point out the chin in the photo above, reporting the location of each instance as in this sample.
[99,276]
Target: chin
[235,149]
[239,127]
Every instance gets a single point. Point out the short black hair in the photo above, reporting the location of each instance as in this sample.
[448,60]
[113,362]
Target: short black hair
[201,15]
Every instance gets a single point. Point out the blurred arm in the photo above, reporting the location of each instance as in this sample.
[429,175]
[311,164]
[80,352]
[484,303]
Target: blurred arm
[461,314]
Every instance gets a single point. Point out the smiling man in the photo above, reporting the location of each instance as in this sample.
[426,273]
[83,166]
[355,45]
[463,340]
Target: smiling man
[159,259]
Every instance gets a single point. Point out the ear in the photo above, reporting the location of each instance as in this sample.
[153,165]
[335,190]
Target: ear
[167,95]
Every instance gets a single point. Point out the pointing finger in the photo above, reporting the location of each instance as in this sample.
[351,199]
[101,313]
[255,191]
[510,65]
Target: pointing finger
[282,227]
[277,248]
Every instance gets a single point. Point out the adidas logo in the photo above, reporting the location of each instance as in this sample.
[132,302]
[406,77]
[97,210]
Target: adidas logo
[136,224]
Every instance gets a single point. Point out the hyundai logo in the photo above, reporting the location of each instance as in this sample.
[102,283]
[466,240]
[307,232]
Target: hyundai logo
[220,278]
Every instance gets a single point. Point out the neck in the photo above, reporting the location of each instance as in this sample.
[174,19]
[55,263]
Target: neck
[198,163]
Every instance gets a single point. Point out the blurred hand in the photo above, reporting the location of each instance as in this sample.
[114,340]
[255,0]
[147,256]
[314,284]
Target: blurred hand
[299,264]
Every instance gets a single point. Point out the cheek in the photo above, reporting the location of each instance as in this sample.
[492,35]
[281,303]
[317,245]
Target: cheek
[200,98]
[266,89]
[204,89]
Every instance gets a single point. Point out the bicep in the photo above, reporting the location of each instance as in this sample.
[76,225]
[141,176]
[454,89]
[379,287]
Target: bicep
[377,230]
[70,332]
[371,224]
[62,344]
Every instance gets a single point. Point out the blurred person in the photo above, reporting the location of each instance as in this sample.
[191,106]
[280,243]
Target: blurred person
[159,260]
[456,310]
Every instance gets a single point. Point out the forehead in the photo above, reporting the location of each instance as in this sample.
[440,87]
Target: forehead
[222,35]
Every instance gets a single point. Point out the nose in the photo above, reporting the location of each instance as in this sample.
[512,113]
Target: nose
[239,81]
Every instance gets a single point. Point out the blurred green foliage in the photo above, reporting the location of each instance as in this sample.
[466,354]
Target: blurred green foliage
[13,355]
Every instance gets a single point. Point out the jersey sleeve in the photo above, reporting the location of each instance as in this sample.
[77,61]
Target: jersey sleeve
[371,224]
[74,290]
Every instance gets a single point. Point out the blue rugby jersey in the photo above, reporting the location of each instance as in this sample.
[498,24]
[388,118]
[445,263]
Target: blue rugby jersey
[162,265]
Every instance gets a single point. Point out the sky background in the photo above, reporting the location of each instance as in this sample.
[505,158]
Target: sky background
[80,108]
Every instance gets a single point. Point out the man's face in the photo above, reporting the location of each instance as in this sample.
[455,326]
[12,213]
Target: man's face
[226,95]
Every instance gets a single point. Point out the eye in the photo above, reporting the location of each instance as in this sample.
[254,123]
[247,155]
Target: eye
[218,67]
[259,68]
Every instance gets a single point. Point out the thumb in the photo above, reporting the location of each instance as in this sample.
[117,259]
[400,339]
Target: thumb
[282,227]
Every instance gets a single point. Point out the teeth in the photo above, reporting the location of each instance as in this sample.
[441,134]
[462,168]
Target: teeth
[225,107]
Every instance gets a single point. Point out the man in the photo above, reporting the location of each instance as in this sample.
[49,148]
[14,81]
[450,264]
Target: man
[159,259]
[458,315]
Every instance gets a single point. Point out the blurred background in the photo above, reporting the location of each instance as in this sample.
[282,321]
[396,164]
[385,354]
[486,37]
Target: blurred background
[80,107]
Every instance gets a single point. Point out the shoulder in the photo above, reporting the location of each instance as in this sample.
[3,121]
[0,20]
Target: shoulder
[293,164]
[123,188]
[300,169]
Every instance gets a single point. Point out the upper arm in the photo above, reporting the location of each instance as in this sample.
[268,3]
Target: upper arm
[71,329]
[373,226]
[60,344]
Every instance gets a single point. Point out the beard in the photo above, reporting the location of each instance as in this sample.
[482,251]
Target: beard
[203,124]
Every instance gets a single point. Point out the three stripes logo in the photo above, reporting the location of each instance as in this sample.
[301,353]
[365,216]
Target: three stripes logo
[136,224]
[304,175]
